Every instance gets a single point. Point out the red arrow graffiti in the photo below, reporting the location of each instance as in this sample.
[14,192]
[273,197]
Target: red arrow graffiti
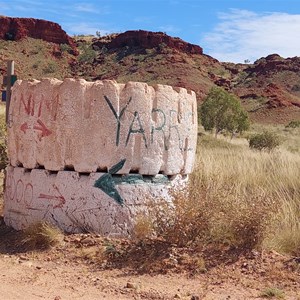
[42,127]
[60,199]
[24,127]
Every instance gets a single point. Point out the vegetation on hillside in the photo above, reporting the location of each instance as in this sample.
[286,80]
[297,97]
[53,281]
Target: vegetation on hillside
[35,59]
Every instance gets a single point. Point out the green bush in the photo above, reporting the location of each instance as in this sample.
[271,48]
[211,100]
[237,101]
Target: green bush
[264,141]
[65,48]
[222,111]
[51,67]
[293,124]
[87,54]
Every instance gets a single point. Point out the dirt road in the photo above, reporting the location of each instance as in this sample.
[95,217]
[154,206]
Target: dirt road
[36,276]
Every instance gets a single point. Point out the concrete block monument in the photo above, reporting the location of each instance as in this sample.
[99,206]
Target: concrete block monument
[89,155]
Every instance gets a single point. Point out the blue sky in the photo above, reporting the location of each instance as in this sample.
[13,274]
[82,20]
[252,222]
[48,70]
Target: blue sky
[229,30]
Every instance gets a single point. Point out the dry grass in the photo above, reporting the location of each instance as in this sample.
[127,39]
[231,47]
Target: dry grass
[237,197]
[284,233]
[259,188]
[41,236]
[272,293]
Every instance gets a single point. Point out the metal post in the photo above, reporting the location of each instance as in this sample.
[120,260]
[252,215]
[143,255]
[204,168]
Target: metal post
[10,72]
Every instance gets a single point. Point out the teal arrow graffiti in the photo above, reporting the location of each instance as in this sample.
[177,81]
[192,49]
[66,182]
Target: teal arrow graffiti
[107,185]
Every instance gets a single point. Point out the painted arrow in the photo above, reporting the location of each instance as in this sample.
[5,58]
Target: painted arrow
[61,199]
[107,184]
[24,127]
[42,127]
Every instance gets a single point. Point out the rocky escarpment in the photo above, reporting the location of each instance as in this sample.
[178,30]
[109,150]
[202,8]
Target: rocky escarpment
[17,28]
[273,80]
[274,63]
[148,40]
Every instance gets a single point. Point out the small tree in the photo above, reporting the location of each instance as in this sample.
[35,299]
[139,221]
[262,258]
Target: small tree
[223,111]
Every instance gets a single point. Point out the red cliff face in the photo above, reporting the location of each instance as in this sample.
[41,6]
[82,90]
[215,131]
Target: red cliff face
[148,40]
[18,28]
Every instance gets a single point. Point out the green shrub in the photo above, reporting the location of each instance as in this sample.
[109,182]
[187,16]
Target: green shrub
[87,55]
[293,124]
[264,141]
[50,68]
[65,48]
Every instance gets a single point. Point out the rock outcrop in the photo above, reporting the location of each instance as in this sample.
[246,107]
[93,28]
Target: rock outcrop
[274,63]
[148,40]
[18,28]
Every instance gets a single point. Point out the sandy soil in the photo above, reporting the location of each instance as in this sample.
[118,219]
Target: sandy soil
[30,277]
[74,269]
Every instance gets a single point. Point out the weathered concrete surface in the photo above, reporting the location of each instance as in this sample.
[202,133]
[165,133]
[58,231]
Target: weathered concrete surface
[73,203]
[92,126]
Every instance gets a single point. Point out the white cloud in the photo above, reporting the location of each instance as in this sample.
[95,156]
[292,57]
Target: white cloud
[84,7]
[243,34]
[169,29]
[24,7]
[90,8]
[84,28]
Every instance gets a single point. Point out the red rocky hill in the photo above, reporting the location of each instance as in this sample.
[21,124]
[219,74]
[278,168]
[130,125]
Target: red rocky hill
[15,29]
[148,40]
[269,88]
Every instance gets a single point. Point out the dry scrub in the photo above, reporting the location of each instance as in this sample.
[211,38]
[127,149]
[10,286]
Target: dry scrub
[41,236]
[237,197]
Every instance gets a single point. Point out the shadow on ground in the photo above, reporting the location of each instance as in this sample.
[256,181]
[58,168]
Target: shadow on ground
[10,239]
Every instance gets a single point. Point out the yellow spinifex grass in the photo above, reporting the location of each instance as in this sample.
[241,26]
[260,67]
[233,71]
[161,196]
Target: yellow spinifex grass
[2,109]
[261,187]
[243,181]
[248,170]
